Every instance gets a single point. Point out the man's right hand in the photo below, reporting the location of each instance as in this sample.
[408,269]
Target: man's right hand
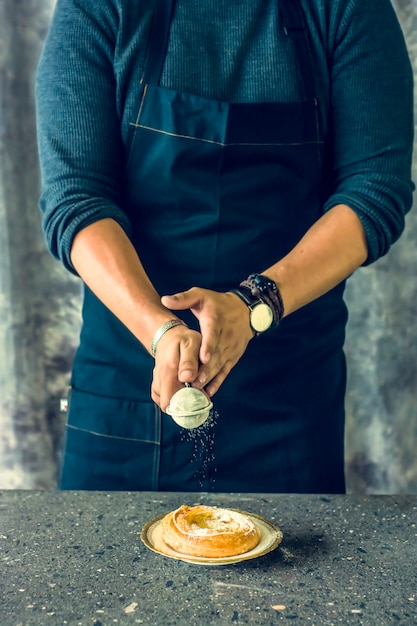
[176,363]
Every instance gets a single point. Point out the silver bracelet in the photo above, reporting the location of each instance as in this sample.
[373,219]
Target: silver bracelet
[161,331]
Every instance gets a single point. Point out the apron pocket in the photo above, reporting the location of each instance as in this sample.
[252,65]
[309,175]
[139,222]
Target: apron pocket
[111,444]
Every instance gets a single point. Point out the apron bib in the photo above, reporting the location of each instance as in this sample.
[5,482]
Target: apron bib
[216,191]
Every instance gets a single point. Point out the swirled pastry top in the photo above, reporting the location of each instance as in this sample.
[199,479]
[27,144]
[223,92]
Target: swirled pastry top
[209,531]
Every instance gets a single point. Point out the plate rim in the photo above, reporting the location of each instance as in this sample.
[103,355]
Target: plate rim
[245,556]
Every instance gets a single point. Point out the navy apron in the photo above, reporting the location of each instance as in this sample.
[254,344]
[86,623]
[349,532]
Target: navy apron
[216,191]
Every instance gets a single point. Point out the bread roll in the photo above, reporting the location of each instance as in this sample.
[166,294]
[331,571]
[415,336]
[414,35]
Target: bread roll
[209,531]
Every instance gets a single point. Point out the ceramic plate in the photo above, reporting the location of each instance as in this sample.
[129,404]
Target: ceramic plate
[271,537]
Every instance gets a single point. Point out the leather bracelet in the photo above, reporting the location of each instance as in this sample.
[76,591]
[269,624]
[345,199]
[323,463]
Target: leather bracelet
[161,332]
[270,295]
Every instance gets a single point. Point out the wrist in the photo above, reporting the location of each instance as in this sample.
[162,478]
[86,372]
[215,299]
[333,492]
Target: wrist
[245,310]
[164,328]
[263,299]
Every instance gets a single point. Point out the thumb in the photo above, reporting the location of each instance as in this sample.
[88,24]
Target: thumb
[179,301]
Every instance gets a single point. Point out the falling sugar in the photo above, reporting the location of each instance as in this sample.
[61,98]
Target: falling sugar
[203,439]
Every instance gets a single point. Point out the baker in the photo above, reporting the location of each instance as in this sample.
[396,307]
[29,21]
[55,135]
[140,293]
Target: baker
[214,171]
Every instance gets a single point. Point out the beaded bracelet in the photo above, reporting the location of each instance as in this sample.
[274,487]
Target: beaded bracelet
[161,331]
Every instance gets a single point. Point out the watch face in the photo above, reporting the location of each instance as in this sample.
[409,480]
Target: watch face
[261,317]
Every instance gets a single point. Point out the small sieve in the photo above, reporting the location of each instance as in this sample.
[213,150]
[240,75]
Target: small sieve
[189,407]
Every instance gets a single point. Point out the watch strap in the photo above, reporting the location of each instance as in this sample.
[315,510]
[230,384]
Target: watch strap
[245,294]
[266,290]
[253,302]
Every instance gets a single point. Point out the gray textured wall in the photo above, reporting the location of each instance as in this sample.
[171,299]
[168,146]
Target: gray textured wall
[40,305]
[381,349]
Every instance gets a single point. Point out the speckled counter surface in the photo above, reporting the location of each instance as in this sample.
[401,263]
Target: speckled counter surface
[76,558]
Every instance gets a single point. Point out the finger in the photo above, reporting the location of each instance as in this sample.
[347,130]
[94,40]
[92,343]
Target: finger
[188,365]
[176,363]
[215,384]
[164,398]
[165,379]
[187,371]
[184,299]
[210,338]
[155,396]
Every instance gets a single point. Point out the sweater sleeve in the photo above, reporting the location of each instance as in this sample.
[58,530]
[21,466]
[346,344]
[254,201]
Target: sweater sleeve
[79,137]
[371,122]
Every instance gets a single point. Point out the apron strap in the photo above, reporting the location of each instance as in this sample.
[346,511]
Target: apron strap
[296,28]
[161,25]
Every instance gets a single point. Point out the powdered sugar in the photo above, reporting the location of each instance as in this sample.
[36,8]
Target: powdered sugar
[202,439]
[220,521]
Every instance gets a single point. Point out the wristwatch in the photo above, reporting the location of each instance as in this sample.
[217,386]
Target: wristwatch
[261,316]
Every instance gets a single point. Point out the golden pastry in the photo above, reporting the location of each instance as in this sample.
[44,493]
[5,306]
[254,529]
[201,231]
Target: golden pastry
[209,531]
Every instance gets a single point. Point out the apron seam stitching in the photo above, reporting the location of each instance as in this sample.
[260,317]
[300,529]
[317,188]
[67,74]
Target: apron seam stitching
[220,143]
[92,432]
[136,126]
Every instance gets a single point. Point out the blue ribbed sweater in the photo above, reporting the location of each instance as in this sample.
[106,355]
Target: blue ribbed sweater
[93,59]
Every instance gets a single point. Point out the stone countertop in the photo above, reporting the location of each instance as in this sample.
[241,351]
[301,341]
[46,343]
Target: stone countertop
[76,558]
